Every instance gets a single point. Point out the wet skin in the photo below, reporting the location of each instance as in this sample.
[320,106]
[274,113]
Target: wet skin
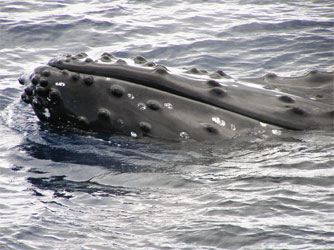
[143,99]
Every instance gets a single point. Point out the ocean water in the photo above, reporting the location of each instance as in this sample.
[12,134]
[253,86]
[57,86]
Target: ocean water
[78,190]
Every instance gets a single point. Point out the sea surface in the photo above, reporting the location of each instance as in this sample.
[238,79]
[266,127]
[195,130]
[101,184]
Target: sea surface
[79,190]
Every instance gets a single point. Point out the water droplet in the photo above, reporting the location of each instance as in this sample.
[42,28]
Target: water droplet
[108,79]
[134,134]
[263,124]
[276,132]
[60,84]
[168,105]
[233,127]
[219,121]
[141,106]
[131,96]
[120,122]
[46,113]
[184,135]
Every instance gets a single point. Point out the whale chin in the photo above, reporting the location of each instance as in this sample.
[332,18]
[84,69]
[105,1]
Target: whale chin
[139,98]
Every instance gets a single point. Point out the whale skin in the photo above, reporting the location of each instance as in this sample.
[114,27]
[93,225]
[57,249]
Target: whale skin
[139,98]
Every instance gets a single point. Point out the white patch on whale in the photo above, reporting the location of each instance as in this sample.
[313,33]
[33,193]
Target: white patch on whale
[60,84]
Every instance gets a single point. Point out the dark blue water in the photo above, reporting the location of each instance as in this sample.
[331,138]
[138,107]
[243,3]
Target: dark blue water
[74,190]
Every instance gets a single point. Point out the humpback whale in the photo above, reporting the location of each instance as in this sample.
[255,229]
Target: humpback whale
[139,98]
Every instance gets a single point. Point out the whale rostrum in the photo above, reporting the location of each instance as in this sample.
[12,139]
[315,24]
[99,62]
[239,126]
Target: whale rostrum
[142,99]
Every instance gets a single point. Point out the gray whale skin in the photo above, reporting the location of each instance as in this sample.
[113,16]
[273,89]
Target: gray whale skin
[141,99]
